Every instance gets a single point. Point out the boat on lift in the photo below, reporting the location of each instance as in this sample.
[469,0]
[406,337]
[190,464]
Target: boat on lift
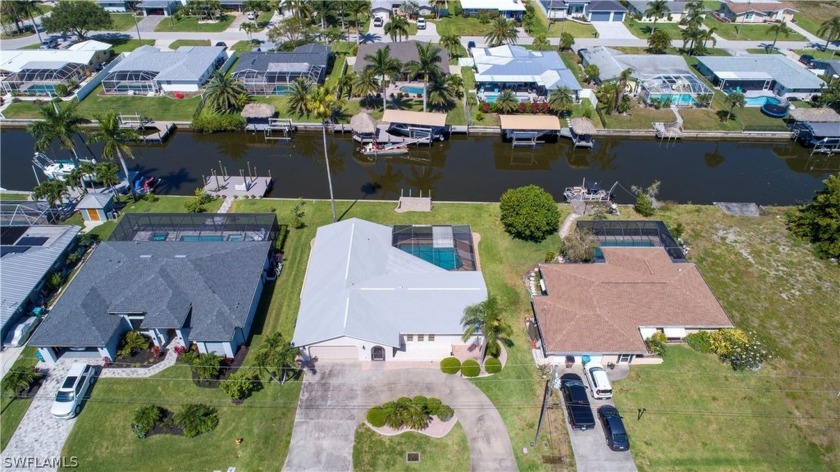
[57,169]
[373,149]
[589,193]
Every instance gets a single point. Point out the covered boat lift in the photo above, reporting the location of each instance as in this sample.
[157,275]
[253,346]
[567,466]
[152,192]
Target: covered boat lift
[580,131]
[420,125]
[817,127]
[526,130]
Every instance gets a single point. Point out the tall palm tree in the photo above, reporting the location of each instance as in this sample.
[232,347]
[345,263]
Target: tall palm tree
[51,191]
[365,84]
[298,97]
[385,66]
[108,173]
[507,101]
[14,11]
[325,104]
[397,28]
[777,29]
[357,8]
[830,30]
[606,95]
[88,169]
[452,43]
[428,58]
[76,179]
[440,91]
[456,85]
[501,31]
[692,38]
[657,9]
[485,319]
[225,93]
[625,75]
[561,100]
[114,140]
[694,14]
[248,27]
[734,100]
[322,8]
[300,9]
[706,36]
[57,123]
[345,85]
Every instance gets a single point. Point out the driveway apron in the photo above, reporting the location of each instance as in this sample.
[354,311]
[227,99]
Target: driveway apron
[334,402]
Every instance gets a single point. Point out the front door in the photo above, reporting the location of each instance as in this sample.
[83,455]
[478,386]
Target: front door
[93,215]
[377,353]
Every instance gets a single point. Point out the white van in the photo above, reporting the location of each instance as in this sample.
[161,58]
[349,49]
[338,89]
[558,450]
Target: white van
[599,383]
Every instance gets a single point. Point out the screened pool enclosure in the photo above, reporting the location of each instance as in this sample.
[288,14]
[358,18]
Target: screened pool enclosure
[448,247]
[131,81]
[42,78]
[627,233]
[196,227]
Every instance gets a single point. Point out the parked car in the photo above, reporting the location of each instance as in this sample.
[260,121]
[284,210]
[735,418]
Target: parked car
[421,23]
[613,428]
[599,383]
[378,21]
[577,402]
[49,43]
[23,330]
[251,16]
[221,44]
[806,59]
[401,129]
[74,389]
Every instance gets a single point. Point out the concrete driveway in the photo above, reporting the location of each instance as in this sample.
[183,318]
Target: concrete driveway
[334,402]
[429,34]
[613,30]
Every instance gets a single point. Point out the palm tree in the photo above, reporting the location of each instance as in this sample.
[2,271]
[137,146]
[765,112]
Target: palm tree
[397,28]
[437,4]
[777,29]
[365,84]
[440,91]
[14,11]
[501,31]
[657,9]
[456,85]
[324,104]
[298,98]
[404,412]
[695,13]
[207,365]
[57,122]
[830,30]
[114,139]
[692,37]
[541,43]
[385,66]
[276,357]
[88,169]
[248,27]
[20,379]
[561,100]
[76,179]
[708,35]
[591,73]
[452,43]
[322,8]
[622,85]
[606,95]
[428,57]
[357,8]
[51,191]
[345,85]
[108,173]
[506,101]
[485,319]
[225,94]
[733,100]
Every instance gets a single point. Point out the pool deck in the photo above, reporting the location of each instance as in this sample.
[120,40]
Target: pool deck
[237,187]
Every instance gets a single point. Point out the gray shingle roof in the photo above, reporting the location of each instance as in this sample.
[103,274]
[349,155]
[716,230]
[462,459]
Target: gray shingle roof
[276,61]
[21,272]
[611,63]
[605,5]
[642,6]
[358,285]
[517,64]
[188,63]
[782,69]
[404,51]
[95,201]
[217,279]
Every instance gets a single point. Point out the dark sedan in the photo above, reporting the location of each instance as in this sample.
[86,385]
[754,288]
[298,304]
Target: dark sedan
[613,428]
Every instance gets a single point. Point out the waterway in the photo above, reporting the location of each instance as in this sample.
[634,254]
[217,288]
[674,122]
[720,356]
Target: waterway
[467,168]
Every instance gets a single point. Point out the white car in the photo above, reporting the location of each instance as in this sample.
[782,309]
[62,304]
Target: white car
[599,383]
[23,330]
[74,389]
[378,22]
[421,23]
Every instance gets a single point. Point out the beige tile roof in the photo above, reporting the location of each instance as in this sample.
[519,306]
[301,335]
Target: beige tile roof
[598,308]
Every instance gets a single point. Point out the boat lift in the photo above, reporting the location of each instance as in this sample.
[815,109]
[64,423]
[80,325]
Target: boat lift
[528,130]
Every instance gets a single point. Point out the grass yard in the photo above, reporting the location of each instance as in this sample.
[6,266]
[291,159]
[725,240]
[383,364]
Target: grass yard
[644,30]
[191,24]
[351,107]
[762,51]
[638,118]
[337,70]
[12,33]
[21,111]
[121,21]
[778,418]
[460,26]
[128,45]
[747,32]
[810,15]
[554,29]
[188,42]
[242,46]
[374,452]
[159,108]
[13,409]
[32,46]
[263,18]
[829,55]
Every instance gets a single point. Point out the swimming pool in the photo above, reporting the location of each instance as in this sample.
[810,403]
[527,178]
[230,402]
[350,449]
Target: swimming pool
[491,98]
[678,99]
[41,89]
[282,89]
[194,238]
[412,90]
[444,257]
[760,101]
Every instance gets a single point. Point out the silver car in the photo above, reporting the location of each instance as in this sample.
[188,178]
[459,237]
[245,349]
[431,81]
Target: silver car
[73,391]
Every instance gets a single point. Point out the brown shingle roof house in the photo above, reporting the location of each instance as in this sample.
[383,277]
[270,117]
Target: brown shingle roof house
[605,308]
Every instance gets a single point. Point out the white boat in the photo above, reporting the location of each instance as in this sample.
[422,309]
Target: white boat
[372,149]
[57,169]
[591,193]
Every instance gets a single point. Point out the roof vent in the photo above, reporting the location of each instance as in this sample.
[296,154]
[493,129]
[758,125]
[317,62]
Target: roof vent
[146,256]
[180,256]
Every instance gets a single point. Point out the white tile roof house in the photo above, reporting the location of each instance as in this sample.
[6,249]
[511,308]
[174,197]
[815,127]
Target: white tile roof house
[149,69]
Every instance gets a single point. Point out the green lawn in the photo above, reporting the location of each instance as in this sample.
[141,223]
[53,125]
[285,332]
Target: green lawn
[188,42]
[128,45]
[337,70]
[644,30]
[810,15]
[762,51]
[638,118]
[242,46]
[12,409]
[191,24]
[263,18]
[121,21]
[572,62]
[31,46]
[554,29]
[829,55]
[460,26]
[747,32]
[159,108]
[351,107]
[21,111]
[374,452]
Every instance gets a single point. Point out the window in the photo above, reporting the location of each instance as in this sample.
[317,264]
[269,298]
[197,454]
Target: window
[624,358]
[420,337]
[409,337]
[749,16]
[431,337]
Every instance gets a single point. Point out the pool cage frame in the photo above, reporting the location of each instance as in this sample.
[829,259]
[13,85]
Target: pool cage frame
[634,233]
[21,81]
[673,84]
[419,237]
[196,224]
[125,82]
[259,82]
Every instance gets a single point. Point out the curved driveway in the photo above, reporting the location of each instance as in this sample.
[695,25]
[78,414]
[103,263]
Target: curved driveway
[334,402]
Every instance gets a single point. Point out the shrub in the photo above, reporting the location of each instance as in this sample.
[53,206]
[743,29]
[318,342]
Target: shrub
[55,280]
[643,205]
[700,341]
[421,402]
[470,368]
[450,365]
[657,343]
[529,213]
[145,418]
[179,351]
[479,116]
[61,90]
[579,246]
[492,365]
[155,352]
[376,417]
[214,123]
[239,385]
[817,221]
[404,412]
[189,357]
[445,413]
[132,343]
[196,418]
[549,256]
[723,342]
[433,405]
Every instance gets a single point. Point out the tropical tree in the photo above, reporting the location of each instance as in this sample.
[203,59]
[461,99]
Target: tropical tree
[625,75]
[659,42]
[385,66]
[325,104]
[248,27]
[818,221]
[108,173]
[298,97]
[501,31]
[692,39]
[88,168]
[207,365]
[114,140]
[76,178]
[277,358]
[507,101]
[57,123]
[345,85]
[452,43]
[428,58]
[694,14]
[441,92]
[397,28]
[365,84]
[51,191]
[301,10]
[15,11]
[561,100]
[20,379]
[657,9]
[456,85]
[225,94]
[76,17]
[405,412]
[485,319]
[734,100]
[830,30]
[707,36]
[437,4]
[132,343]
[591,73]
[777,29]
[541,43]
[323,9]
[567,40]
[357,8]
[606,95]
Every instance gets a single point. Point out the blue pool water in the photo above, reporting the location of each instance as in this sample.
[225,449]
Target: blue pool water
[412,90]
[759,101]
[194,238]
[42,89]
[282,89]
[444,257]
[679,99]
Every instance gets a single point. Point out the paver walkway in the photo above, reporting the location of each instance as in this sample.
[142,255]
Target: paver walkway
[128,372]
[335,400]
[567,224]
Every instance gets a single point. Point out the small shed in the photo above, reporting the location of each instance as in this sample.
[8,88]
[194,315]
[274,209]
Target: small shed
[96,207]
[364,127]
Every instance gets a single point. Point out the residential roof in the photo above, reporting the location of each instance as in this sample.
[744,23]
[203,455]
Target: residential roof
[90,45]
[95,201]
[359,285]
[517,64]
[24,262]
[404,51]
[529,122]
[743,7]
[643,5]
[301,59]
[500,5]
[833,66]
[423,118]
[12,61]
[824,130]
[611,63]
[599,308]
[815,115]
[750,66]
[363,123]
[188,63]
[605,5]
[258,110]
[211,284]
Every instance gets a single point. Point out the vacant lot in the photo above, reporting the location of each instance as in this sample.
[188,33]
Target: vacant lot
[374,452]
[644,30]
[812,14]
[748,32]
[191,24]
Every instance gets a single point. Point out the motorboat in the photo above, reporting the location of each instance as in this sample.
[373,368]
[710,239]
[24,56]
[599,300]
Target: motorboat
[589,193]
[373,149]
[57,169]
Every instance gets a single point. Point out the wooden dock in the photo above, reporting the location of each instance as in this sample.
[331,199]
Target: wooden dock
[236,186]
[384,137]
[150,131]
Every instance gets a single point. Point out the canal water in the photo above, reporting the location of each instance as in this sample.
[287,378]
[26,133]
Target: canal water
[466,168]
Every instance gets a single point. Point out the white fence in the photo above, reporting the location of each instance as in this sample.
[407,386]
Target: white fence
[89,87]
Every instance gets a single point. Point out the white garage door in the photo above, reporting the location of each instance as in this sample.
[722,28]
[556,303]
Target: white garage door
[334,352]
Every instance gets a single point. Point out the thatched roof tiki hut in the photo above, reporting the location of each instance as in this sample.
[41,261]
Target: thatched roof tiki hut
[364,127]
[257,115]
